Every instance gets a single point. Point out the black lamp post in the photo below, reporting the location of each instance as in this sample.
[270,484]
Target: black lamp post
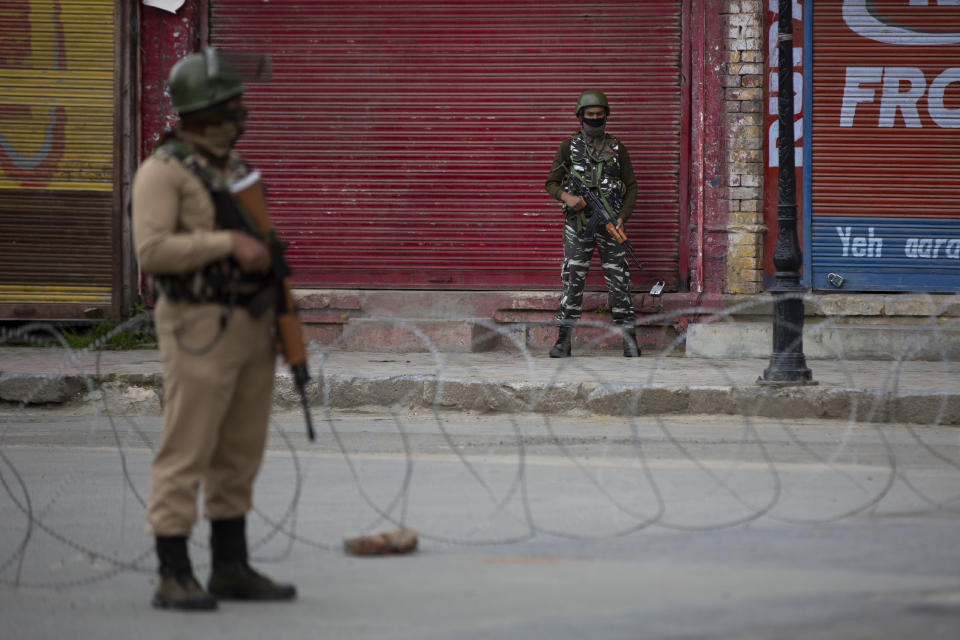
[787,363]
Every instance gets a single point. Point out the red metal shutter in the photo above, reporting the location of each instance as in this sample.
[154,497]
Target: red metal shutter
[405,144]
[886,146]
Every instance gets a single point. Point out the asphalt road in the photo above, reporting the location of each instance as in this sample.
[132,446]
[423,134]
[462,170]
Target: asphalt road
[530,527]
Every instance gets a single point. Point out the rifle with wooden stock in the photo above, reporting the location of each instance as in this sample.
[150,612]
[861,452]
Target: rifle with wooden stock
[248,192]
[599,214]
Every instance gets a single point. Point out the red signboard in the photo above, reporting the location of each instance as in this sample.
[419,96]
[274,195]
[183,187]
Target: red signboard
[885,145]
[886,106]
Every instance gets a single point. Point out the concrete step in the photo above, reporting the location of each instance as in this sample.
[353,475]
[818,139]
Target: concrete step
[395,321]
[473,335]
[869,326]
[597,337]
[825,339]
[413,335]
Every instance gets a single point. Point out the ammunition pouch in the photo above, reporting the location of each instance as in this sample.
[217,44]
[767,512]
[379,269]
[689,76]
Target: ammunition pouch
[220,282]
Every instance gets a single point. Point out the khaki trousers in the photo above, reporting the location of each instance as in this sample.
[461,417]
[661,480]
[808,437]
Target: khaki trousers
[216,410]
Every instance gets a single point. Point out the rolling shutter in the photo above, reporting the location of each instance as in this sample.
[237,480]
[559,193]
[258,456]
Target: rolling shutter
[405,144]
[886,146]
[56,154]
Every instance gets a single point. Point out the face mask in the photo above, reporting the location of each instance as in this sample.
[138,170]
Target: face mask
[238,117]
[593,126]
[220,138]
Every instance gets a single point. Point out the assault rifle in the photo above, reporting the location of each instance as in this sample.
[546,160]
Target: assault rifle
[248,192]
[598,213]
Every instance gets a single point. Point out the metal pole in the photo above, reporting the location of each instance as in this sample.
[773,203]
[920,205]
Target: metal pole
[787,362]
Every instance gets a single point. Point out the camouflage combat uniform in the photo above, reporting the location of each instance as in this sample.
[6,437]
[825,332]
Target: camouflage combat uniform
[607,166]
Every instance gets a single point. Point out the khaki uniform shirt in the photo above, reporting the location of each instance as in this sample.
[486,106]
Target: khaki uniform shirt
[173,216]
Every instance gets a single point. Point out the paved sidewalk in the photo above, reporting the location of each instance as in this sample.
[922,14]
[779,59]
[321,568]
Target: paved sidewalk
[919,392]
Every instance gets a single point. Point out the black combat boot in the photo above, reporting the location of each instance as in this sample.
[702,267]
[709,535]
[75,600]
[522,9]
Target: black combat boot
[231,577]
[561,349]
[630,347]
[178,588]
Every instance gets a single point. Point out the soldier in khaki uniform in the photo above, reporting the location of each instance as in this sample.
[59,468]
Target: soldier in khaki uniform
[214,321]
[604,160]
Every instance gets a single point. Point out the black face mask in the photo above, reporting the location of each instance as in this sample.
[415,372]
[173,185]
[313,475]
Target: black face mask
[595,123]
[238,116]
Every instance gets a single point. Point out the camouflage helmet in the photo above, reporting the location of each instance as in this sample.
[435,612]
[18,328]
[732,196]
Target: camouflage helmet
[591,98]
[201,80]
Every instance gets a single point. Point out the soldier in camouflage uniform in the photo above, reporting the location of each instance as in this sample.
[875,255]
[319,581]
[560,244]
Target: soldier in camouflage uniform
[605,164]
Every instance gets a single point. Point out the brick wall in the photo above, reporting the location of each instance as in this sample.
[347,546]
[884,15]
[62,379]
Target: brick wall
[743,86]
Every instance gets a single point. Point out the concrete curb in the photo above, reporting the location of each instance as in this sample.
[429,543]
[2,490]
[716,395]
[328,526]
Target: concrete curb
[626,399]
[130,383]
[139,394]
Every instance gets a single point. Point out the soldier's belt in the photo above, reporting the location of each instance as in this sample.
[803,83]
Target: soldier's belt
[256,302]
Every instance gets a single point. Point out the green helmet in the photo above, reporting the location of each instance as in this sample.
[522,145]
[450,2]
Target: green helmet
[201,80]
[591,98]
